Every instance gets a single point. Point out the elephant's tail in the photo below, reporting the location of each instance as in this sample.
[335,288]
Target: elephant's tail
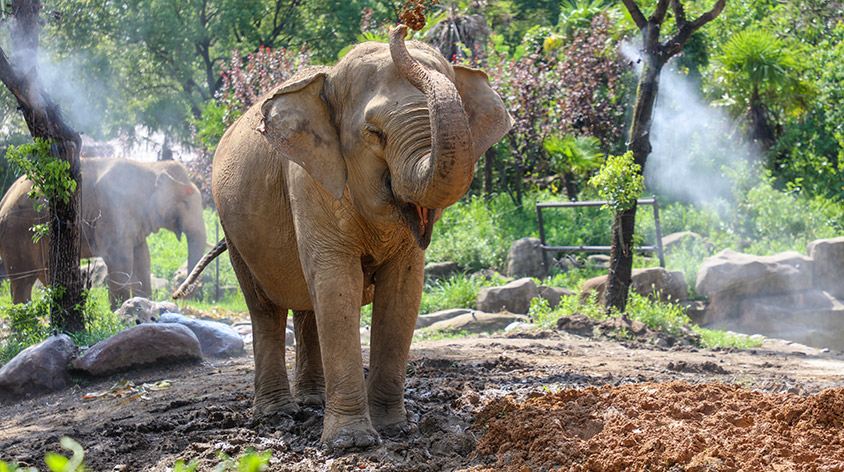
[188,285]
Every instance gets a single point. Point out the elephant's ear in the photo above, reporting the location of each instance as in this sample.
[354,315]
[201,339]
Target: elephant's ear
[297,122]
[488,119]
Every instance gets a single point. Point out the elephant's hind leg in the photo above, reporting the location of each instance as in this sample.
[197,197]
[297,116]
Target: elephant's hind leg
[21,287]
[272,389]
[310,382]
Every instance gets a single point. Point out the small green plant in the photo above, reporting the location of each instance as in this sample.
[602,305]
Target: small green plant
[50,176]
[59,463]
[251,461]
[619,182]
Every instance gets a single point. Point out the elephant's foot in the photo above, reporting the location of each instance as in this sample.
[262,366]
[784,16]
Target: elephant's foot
[393,422]
[313,399]
[341,433]
[276,411]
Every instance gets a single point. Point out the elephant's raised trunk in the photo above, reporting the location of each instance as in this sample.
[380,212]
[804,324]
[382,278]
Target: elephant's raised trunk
[442,177]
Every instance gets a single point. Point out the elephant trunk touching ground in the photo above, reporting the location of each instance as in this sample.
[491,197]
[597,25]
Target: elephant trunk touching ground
[437,179]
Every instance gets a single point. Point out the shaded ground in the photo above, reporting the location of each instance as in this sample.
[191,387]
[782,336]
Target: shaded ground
[450,382]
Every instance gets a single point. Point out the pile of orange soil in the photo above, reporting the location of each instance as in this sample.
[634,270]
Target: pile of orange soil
[665,426]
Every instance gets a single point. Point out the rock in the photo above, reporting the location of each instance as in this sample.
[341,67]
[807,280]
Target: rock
[158,283]
[96,272]
[289,337]
[147,344]
[828,257]
[736,274]
[810,317]
[431,318]
[567,263]
[477,322]
[670,285]
[553,294]
[525,259]
[441,270]
[680,239]
[600,261]
[576,324]
[215,339]
[519,326]
[41,368]
[139,310]
[514,297]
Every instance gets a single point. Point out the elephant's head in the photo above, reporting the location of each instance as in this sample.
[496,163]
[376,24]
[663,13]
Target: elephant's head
[402,127]
[178,207]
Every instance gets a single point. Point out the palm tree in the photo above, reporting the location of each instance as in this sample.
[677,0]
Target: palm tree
[573,157]
[761,75]
[458,35]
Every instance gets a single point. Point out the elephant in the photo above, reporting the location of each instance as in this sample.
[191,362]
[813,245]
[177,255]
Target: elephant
[328,189]
[121,202]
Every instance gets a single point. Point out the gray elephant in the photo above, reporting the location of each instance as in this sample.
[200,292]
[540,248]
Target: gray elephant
[328,190]
[121,203]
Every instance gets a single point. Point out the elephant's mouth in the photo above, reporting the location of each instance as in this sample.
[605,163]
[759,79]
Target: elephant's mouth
[420,221]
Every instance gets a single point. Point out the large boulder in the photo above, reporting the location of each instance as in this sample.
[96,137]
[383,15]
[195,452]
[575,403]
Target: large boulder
[650,282]
[525,259]
[514,297]
[476,322]
[41,368]
[431,318]
[441,270]
[139,310]
[736,274]
[96,272]
[828,257]
[553,294]
[680,239]
[148,344]
[216,339]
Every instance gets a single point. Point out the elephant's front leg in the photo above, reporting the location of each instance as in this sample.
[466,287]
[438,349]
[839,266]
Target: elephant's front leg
[120,269]
[398,290]
[335,283]
[141,276]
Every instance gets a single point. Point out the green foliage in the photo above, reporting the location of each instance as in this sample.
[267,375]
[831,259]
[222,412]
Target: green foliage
[574,154]
[619,182]
[458,291]
[717,339]
[212,124]
[50,176]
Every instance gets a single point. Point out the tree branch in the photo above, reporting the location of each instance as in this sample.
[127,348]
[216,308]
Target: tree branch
[679,14]
[661,9]
[635,13]
[675,44]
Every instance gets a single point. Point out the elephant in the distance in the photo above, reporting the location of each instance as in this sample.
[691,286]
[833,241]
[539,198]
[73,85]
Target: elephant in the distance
[330,185]
[121,202]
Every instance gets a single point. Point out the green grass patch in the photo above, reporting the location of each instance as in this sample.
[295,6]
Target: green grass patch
[457,291]
[717,339]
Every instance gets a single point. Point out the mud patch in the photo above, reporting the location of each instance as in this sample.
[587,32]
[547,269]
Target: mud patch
[669,426]
[629,331]
[697,367]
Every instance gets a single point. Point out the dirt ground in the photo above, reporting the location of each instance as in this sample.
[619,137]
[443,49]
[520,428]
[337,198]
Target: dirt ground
[530,401]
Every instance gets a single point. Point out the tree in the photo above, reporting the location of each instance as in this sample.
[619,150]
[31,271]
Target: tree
[45,123]
[655,53]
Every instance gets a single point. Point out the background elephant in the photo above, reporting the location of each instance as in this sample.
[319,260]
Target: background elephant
[332,184]
[121,203]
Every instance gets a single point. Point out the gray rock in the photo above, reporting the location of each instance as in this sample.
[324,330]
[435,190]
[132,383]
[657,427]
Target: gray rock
[736,274]
[289,337]
[553,294]
[476,322]
[519,326]
[673,241]
[95,272]
[525,259]
[139,310]
[670,285]
[828,257]
[41,368]
[431,318]
[601,261]
[149,344]
[441,270]
[514,297]
[216,339]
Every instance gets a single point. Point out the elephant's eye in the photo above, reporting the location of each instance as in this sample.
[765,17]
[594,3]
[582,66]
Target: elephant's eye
[374,135]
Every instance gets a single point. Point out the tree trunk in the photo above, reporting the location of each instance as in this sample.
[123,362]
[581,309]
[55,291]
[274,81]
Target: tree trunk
[44,120]
[761,131]
[621,252]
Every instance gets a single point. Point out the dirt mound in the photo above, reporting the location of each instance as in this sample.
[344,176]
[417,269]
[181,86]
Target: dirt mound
[624,330]
[665,426]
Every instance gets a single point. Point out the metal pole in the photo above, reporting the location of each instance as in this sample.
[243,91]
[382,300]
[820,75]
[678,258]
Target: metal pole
[542,236]
[658,230]
[217,263]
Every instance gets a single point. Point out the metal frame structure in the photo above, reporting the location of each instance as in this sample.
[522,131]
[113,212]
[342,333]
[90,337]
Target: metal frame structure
[657,247]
